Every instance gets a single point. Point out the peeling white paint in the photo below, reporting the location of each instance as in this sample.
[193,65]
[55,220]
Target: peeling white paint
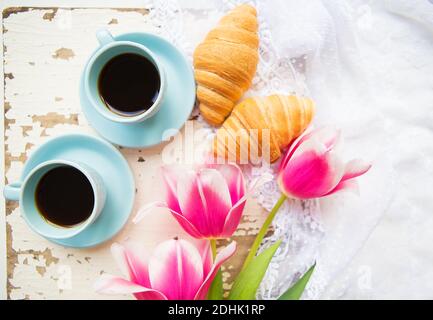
[39,80]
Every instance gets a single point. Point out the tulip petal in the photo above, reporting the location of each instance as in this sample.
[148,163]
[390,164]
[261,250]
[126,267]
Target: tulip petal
[293,147]
[187,225]
[144,211]
[347,185]
[235,214]
[355,168]
[326,136]
[110,284]
[176,269]
[320,141]
[309,145]
[206,255]
[233,219]
[119,256]
[318,166]
[184,223]
[191,200]
[313,168]
[170,175]
[204,200]
[217,198]
[308,175]
[336,164]
[132,265]
[221,257]
[234,178]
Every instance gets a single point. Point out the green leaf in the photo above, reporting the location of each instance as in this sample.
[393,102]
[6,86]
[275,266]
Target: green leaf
[295,292]
[216,288]
[248,280]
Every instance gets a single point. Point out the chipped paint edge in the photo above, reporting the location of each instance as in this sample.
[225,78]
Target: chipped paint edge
[7,11]
[17,6]
[3,249]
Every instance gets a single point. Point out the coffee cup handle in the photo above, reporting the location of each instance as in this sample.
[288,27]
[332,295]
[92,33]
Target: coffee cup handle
[12,191]
[104,37]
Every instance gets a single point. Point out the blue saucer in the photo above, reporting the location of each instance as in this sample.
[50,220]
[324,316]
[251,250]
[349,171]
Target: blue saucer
[176,107]
[114,171]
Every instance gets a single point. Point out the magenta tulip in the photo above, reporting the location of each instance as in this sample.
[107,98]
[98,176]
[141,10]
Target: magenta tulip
[207,201]
[313,167]
[177,270]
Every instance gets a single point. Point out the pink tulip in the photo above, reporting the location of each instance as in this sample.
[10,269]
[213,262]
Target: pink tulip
[207,201]
[177,270]
[313,167]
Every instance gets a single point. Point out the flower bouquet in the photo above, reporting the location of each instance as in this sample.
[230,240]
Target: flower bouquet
[208,201]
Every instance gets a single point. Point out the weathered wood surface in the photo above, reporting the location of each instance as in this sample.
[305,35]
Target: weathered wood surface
[44,53]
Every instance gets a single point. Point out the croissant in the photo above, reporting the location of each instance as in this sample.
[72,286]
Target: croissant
[261,127]
[225,63]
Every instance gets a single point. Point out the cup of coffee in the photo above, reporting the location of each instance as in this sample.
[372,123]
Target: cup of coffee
[59,198]
[123,80]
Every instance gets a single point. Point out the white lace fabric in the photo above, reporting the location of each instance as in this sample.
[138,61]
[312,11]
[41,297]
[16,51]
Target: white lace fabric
[300,52]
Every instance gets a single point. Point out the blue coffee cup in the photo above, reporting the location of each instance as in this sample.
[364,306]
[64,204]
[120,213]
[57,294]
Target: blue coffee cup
[110,48]
[25,191]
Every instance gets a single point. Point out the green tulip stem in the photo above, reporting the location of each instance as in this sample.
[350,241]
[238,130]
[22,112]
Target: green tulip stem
[263,231]
[213,246]
[216,288]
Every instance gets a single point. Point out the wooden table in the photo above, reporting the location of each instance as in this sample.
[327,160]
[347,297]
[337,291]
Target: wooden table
[44,52]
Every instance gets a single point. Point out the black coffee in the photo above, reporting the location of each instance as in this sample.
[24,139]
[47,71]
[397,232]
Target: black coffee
[129,84]
[64,196]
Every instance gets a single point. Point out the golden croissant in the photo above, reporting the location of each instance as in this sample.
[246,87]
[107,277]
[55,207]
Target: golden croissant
[225,63]
[262,127]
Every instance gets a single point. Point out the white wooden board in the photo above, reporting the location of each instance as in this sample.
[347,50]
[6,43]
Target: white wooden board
[44,53]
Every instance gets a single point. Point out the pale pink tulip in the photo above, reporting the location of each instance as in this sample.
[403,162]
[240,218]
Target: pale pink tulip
[313,167]
[207,201]
[177,270]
